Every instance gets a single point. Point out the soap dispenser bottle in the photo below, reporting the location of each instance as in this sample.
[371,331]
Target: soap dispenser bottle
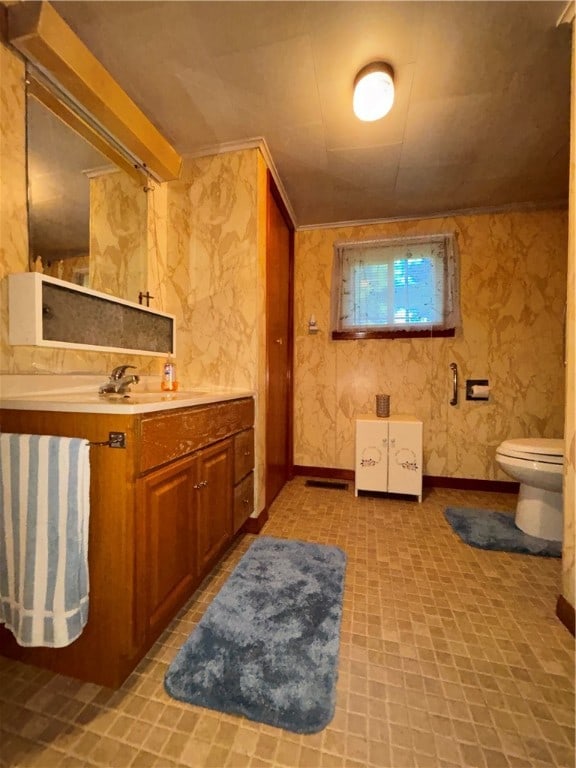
[169,379]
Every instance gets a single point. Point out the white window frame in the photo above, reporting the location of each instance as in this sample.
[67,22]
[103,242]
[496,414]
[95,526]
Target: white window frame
[347,254]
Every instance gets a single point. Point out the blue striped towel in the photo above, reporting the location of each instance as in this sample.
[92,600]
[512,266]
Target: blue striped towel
[44,513]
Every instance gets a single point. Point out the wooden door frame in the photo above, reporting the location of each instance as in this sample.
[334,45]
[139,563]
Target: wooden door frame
[272,191]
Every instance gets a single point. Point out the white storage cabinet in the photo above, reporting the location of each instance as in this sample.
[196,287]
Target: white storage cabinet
[389,455]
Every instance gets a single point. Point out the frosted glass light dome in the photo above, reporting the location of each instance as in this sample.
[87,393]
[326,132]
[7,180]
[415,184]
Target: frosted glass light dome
[373,91]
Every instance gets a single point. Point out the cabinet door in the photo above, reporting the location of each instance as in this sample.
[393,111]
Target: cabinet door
[167,566]
[371,471]
[405,457]
[212,490]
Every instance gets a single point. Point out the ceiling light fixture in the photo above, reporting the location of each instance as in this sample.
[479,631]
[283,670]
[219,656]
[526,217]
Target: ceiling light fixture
[373,91]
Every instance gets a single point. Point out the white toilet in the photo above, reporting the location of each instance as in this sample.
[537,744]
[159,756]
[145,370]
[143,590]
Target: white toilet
[537,464]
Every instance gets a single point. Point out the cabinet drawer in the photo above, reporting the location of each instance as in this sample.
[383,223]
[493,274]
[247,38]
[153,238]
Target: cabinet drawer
[243,501]
[243,454]
[170,435]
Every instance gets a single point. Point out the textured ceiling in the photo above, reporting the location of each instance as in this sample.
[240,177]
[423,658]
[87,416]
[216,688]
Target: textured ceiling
[481,117]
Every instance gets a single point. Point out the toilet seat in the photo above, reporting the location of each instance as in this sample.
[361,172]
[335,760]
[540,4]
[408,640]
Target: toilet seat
[545,450]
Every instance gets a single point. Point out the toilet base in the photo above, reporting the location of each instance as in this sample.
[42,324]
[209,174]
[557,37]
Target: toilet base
[539,513]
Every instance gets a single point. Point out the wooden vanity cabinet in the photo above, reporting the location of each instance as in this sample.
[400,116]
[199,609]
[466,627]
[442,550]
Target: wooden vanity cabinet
[162,511]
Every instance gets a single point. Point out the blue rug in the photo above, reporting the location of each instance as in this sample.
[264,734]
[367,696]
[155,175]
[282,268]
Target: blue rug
[485,529]
[267,647]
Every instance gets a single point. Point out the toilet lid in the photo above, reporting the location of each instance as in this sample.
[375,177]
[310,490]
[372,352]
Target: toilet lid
[534,448]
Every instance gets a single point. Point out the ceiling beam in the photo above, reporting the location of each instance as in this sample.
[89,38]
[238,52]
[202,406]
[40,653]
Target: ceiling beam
[46,97]
[37,31]
[567,15]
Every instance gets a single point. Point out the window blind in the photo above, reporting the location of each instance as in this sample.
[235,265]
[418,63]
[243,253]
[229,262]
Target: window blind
[400,284]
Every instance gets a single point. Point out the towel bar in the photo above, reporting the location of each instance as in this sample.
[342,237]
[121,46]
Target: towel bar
[115,440]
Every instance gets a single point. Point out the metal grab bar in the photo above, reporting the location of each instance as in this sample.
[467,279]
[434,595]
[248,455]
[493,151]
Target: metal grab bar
[454,369]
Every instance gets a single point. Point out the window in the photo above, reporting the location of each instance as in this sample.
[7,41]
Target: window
[395,287]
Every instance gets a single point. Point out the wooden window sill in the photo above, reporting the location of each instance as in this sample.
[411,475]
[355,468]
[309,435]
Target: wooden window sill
[359,335]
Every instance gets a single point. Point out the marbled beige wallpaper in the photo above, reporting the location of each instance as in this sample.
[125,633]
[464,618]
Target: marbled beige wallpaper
[513,278]
[568,558]
[212,245]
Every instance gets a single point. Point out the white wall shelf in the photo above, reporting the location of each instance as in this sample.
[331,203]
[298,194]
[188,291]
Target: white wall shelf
[47,312]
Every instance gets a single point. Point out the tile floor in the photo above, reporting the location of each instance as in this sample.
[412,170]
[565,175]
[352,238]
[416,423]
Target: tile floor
[450,656]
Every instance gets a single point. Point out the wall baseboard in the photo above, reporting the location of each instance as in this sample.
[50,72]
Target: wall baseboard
[429,481]
[470,484]
[336,474]
[255,524]
[565,612]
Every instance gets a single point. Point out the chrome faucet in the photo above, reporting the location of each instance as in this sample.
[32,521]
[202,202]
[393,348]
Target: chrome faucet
[119,383]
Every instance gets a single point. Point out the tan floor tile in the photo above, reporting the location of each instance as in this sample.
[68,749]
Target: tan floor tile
[266,747]
[175,745]
[436,668]
[195,752]
[245,741]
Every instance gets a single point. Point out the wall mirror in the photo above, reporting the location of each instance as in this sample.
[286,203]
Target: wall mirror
[87,216]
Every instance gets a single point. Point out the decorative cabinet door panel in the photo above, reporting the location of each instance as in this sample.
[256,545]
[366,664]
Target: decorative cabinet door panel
[405,457]
[372,455]
[168,565]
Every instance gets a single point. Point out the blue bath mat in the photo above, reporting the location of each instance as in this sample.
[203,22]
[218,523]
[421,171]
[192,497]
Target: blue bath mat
[267,647]
[485,529]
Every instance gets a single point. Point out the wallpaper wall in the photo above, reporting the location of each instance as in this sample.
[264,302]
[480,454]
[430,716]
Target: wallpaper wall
[513,280]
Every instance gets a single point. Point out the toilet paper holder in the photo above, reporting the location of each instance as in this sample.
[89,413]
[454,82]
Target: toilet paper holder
[477,389]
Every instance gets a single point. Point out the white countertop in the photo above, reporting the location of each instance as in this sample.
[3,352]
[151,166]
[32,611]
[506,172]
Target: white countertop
[84,398]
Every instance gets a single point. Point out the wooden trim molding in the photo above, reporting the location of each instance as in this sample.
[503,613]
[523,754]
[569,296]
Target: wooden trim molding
[429,481]
[328,472]
[37,31]
[565,612]
[255,524]
[431,334]
[470,484]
